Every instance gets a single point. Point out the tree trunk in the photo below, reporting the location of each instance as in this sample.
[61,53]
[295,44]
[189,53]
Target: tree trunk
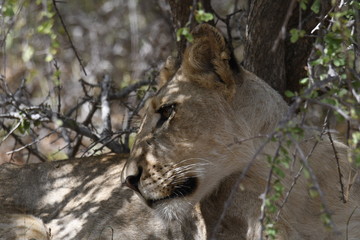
[268,51]
[357,40]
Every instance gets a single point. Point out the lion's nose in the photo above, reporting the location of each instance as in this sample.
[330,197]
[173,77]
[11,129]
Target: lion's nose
[132,178]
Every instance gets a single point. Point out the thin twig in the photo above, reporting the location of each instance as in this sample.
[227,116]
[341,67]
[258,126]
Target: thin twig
[234,189]
[29,144]
[68,36]
[127,90]
[348,222]
[335,108]
[192,11]
[287,195]
[294,182]
[282,32]
[12,24]
[338,165]
[314,181]
[322,132]
[82,129]
[11,132]
[58,85]
[77,106]
[136,110]
[267,190]
[38,154]
[227,20]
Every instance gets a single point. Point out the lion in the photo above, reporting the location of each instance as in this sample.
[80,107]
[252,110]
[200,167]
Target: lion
[206,128]
[81,199]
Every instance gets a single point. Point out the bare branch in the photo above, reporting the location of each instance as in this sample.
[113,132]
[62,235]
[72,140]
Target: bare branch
[35,152]
[343,198]
[29,144]
[282,32]
[235,187]
[348,222]
[3,40]
[11,132]
[105,107]
[58,85]
[127,90]
[314,181]
[68,36]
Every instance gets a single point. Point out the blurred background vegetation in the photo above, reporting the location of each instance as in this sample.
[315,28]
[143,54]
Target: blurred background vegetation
[125,39]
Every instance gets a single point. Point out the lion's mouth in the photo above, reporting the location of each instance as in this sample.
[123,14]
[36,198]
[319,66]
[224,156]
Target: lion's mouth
[182,190]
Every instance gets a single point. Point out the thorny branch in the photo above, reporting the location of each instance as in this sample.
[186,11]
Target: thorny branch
[19,108]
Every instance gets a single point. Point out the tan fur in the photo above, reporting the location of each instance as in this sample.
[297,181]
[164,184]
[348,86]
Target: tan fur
[212,133]
[81,199]
[22,227]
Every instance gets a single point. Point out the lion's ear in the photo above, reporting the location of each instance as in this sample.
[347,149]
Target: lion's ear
[167,71]
[207,60]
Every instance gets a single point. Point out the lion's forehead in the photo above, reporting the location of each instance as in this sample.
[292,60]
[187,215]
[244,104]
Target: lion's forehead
[174,92]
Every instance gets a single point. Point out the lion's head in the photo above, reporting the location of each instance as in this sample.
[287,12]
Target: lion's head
[184,147]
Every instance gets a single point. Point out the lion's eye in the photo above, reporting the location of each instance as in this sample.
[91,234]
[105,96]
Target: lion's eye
[165,112]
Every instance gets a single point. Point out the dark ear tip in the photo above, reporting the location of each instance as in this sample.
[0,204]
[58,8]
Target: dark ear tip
[208,31]
[204,29]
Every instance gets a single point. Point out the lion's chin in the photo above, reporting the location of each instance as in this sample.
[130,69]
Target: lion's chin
[177,204]
[174,209]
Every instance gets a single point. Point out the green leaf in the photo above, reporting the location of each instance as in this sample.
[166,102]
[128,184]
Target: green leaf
[24,126]
[326,219]
[27,53]
[315,7]
[316,62]
[8,10]
[339,62]
[45,27]
[49,57]
[185,31]
[280,173]
[330,101]
[313,193]
[296,34]
[303,4]
[202,16]
[289,94]
[304,81]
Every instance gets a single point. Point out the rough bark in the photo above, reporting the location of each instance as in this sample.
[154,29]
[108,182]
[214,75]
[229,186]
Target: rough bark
[357,40]
[282,65]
